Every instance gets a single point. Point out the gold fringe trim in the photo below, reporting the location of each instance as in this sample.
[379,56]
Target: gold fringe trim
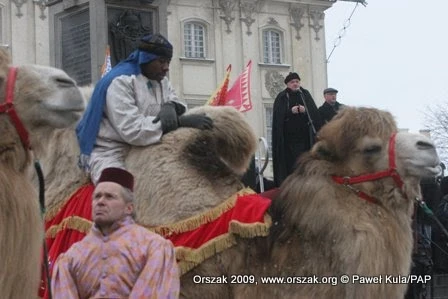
[251,230]
[189,258]
[72,222]
[54,210]
[198,220]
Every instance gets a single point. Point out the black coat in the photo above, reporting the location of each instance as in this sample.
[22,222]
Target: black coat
[327,112]
[291,133]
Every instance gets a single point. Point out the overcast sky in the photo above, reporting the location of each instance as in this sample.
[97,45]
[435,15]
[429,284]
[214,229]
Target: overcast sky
[393,56]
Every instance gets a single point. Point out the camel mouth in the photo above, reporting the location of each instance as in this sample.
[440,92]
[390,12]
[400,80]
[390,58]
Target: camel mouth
[434,170]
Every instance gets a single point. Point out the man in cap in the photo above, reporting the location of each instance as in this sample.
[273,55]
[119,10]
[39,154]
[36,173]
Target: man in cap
[133,104]
[117,258]
[295,121]
[331,106]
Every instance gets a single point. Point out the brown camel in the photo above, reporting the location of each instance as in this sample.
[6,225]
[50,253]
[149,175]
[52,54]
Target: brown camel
[172,182]
[44,98]
[322,229]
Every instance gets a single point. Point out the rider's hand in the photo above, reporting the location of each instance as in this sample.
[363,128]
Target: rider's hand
[198,121]
[167,117]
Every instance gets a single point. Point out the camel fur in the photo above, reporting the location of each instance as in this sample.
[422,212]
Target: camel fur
[44,98]
[323,229]
[319,228]
[189,171]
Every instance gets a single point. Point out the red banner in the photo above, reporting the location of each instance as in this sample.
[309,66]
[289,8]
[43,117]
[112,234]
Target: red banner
[238,95]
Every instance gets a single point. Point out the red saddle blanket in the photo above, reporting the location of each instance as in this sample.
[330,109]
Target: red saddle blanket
[195,239]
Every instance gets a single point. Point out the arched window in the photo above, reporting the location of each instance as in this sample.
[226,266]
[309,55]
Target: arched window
[272,46]
[194,40]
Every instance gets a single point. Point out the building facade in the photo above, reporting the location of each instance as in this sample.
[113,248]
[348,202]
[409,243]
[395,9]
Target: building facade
[278,36]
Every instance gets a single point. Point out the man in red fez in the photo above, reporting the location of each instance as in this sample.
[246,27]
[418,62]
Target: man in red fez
[118,258]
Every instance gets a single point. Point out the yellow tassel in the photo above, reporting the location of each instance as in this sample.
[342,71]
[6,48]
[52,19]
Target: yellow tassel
[198,220]
[73,222]
[189,258]
[56,208]
[251,230]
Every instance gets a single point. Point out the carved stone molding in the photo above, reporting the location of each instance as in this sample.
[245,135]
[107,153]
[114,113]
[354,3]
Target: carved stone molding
[19,4]
[227,8]
[41,3]
[248,8]
[315,18]
[296,13]
[272,21]
[273,82]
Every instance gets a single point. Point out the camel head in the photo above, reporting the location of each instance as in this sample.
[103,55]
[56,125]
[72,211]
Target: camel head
[232,139]
[47,97]
[358,142]
[44,99]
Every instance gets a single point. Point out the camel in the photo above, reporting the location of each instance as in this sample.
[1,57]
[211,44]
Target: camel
[170,173]
[44,98]
[167,174]
[324,223]
[320,227]
[332,218]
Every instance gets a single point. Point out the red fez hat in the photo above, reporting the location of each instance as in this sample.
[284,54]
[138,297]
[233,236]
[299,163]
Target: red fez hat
[119,176]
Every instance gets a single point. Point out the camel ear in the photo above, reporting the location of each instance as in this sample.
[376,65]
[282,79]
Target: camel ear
[323,151]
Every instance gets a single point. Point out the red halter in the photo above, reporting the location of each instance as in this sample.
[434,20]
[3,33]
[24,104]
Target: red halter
[8,107]
[390,172]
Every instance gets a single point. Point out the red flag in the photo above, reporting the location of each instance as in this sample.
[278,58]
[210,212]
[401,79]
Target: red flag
[238,95]
[218,98]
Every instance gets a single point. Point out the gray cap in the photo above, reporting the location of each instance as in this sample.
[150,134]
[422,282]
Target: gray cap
[330,90]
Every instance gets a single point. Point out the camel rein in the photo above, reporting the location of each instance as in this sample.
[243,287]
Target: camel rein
[8,108]
[390,172]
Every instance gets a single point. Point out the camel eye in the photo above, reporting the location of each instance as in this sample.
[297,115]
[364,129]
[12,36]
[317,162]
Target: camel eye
[372,150]
[65,82]
[424,145]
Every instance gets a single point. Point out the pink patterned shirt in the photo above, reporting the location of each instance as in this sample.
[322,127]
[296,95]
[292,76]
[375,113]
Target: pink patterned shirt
[131,262]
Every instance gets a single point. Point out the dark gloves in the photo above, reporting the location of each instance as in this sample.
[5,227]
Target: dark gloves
[198,121]
[180,109]
[168,117]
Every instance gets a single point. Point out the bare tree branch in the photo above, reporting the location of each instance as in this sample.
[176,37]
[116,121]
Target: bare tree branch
[436,118]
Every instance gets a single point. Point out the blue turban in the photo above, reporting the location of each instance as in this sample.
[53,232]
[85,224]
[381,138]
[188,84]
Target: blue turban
[151,47]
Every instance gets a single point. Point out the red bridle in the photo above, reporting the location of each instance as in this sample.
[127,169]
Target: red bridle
[390,172]
[8,108]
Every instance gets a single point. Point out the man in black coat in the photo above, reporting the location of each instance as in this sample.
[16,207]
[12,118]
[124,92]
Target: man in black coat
[295,121]
[331,106]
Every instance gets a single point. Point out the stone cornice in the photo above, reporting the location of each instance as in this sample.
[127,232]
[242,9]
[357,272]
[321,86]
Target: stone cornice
[323,3]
